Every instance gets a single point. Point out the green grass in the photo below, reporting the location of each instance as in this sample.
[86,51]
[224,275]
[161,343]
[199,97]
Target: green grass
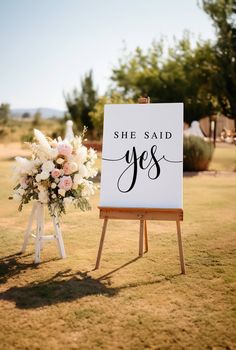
[129,303]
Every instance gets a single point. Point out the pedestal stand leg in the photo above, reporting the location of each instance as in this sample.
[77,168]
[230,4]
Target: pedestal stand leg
[101,243]
[181,252]
[42,224]
[141,237]
[29,228]
[39,232]
[59,238]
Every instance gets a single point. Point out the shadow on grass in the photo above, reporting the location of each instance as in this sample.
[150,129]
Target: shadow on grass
[13,265]
[63,287]
[107,275]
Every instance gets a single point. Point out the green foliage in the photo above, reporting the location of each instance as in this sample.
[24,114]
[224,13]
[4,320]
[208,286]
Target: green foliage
[4,113]
[37,119]
[223,81]
[25,115]
[197,153]
[203,77]
[27,137]
[83,204]
[181,76]
[81,103]
[57,207]
[98,111]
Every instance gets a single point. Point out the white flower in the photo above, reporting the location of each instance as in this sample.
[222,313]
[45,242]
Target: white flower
[45,146]
[92,172]
[73,167]
[53,153]
[62,192]
[54,196]
[44,175]
[77,142]
[92,155]
[57,180]
[53,185]
[21,191]
[60,160]
[17,197]
[68,200]
[83,171]
[38,177]
[53,143]
[48,166]
[81,154]
[24,166]
[87,190]
[77,179]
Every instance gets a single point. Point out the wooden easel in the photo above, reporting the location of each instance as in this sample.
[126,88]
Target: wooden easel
[142,214]
[38,214]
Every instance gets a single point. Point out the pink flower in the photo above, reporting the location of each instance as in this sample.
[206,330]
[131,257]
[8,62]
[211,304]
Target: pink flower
[64,149]
[69,168]
[66,169]
[65,183]
[23,183]
[56,173]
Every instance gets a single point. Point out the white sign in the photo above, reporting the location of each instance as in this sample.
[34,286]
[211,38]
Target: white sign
[142,158]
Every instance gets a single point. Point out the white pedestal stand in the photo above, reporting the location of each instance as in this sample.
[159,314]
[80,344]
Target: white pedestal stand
[38,213]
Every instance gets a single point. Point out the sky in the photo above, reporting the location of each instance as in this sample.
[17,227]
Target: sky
[47,46]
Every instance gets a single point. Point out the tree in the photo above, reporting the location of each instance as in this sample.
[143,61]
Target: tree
[181,76]
[25,115]
[98,112]
[81,103]
[4,113]
[223,14]
[37,119]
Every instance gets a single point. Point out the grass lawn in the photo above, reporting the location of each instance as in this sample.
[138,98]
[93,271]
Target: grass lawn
[224,158]
[129,303]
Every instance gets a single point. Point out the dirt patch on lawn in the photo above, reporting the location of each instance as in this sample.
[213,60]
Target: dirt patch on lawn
[11,150]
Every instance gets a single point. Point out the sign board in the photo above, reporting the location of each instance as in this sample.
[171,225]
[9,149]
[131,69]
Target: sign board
[142,158]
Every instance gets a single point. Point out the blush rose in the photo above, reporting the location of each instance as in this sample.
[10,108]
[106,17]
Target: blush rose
[64,149]
[70,168]
[65,183]
[56,173]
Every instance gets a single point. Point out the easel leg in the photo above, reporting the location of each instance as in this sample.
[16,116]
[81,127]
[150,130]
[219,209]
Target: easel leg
[101,243]
[145,236]
[181,253]
[39,233]
[141,237]
[59,238]
[29,228]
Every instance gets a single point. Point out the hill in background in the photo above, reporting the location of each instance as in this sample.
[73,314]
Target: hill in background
[45,112]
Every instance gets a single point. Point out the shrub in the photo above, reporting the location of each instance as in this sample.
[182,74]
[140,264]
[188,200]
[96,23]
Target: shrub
[27,137]
[197,153]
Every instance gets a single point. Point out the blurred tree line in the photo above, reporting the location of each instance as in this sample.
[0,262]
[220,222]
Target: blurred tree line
[203,76]
[4,113]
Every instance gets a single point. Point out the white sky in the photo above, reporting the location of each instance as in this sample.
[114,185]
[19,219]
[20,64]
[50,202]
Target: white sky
[48,45]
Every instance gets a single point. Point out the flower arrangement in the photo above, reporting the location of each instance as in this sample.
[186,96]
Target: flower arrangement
[57,174]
